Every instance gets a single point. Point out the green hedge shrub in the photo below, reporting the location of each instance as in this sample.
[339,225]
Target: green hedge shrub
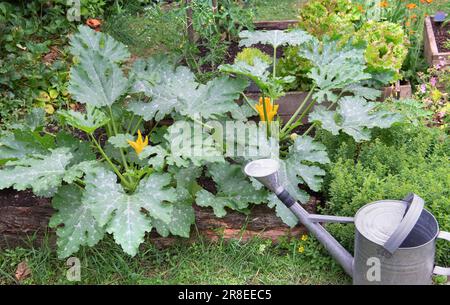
[400,160]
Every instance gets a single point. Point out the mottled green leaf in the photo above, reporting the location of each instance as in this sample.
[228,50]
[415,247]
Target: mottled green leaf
[121,140]
[96,80]
[42,173]
[274,38]
[302,154]
[183,216]
[282,211]
[122,213]
[190,143]
[20,143]
[156,156]
[175,90]
[87,41]
[88,121]
[234,190]
[334,68]
[74,223]
[355,117]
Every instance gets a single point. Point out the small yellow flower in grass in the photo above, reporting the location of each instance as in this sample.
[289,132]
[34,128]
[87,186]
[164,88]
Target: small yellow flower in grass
[271,110]
[301,249]
[411,6]
[304,237]
[139,144]
[384,4]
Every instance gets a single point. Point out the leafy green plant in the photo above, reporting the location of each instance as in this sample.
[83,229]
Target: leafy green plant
[293,64]
[135,175]
[112,182]
[386,49]
[248,56]
[403,159]
[433,92]
[332,18]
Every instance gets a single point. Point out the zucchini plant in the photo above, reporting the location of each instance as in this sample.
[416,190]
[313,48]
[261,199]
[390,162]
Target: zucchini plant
[117,168]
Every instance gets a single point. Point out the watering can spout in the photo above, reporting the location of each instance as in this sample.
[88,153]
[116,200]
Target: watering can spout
[266,172]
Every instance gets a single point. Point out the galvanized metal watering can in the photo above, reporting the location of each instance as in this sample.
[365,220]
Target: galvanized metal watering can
[395,240]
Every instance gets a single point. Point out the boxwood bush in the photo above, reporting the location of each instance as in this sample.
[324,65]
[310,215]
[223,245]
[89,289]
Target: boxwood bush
[400,160]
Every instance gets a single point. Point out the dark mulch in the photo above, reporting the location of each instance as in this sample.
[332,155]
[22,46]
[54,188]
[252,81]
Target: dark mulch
[442,34]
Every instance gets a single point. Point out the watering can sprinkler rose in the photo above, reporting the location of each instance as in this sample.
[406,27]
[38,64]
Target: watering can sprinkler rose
[395,240]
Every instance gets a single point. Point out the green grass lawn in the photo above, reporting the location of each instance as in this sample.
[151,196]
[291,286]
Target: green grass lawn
[231,262]
[276,9]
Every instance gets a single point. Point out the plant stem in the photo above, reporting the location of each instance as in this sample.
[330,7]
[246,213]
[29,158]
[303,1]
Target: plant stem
[265,116]
[248,102]
[274,72]
[137,126]
[203,124]
[129,124]
[286,126]
[124,160]
[299,120]
[114,168]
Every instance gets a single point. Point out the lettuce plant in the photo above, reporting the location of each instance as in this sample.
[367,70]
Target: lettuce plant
[248,55]
[332,18]
[386,49]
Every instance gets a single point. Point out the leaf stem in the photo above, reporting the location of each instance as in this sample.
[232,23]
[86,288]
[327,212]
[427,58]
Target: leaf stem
[129,124]
[136,126]
[274,66]
[248,102]
[286,126]
[266,116]
[114,168]
[122,154]
[203,124]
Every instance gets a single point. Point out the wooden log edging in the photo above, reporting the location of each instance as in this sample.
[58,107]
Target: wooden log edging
[25,224]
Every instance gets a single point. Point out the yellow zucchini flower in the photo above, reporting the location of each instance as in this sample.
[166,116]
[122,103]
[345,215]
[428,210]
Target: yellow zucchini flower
[271,110]
[139,144]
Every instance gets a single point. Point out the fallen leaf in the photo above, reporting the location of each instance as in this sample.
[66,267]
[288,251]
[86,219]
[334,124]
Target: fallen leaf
[22,271]
[51,56]
[93,23]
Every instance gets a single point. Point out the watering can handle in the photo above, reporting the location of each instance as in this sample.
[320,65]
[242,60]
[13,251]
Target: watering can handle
[413,212]
[441,270]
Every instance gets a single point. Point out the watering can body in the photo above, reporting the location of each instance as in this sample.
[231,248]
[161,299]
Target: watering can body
[413,262]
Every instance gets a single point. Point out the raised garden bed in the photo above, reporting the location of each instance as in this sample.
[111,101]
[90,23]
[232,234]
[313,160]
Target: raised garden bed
[434,38]
[24,217]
